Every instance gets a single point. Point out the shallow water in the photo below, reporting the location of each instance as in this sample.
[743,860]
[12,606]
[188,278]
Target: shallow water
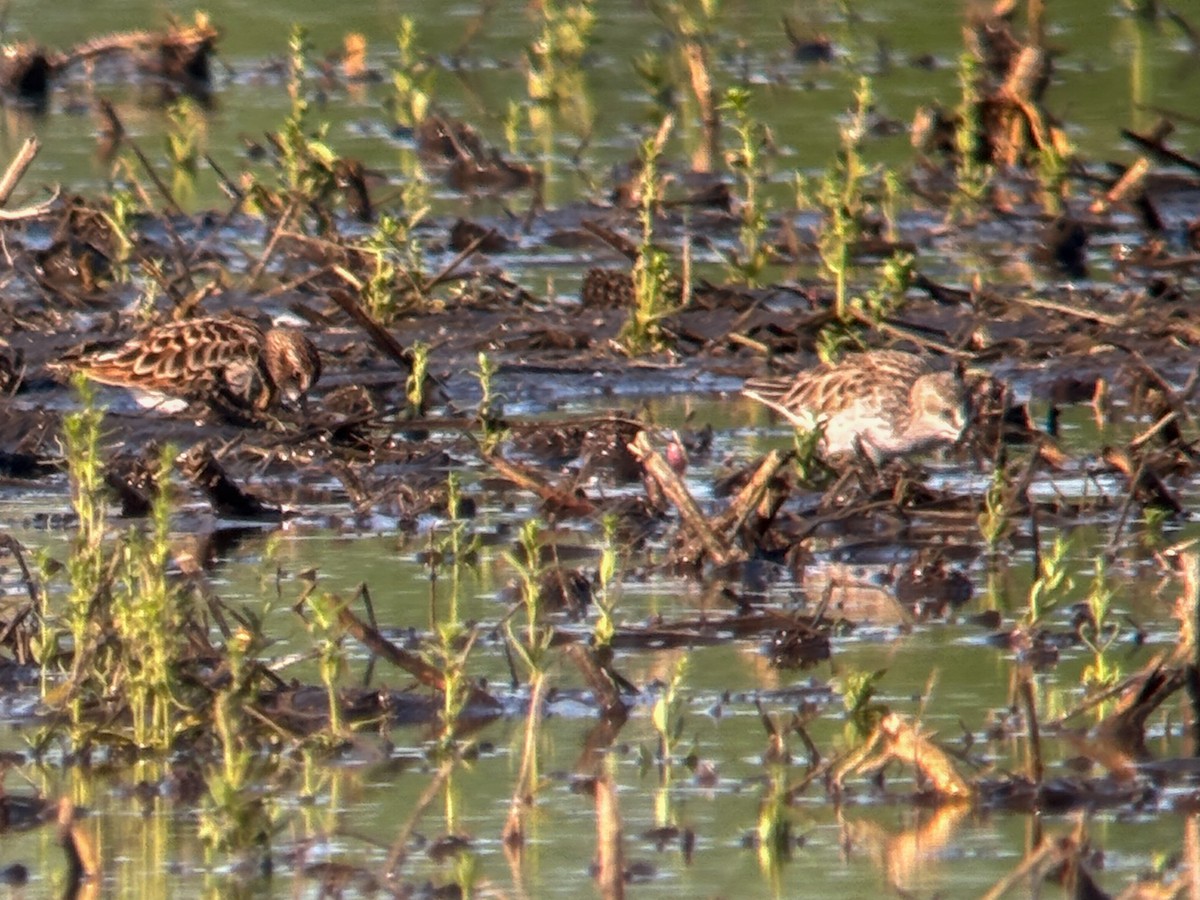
[1114,73]
[943,670]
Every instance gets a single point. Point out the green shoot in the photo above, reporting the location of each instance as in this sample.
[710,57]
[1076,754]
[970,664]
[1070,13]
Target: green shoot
[412,80]
[651,271]
[973,177]
[491,407]
[1099,633]
[1052,582]
[993,521]
[745,161]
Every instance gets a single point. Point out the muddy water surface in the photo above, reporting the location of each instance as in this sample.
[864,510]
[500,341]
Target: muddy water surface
[945,670]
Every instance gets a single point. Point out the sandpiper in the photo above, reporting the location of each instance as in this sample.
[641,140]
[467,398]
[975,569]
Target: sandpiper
[226,359]
[885,402]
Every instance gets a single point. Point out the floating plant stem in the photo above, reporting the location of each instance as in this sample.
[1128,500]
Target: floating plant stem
[842,199]
[886,296]
[806,444]
[774,827]
[308,163]
[120,216]
[1052,170]
[379,289]
[1154,519]
[858,698]
[294,142]
[527,564]
[453,649]
[238,813]
[454,641]
[863,312]
[513,117]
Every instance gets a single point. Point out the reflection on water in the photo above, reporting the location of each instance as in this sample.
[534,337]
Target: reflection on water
[941,667]
[1122,72]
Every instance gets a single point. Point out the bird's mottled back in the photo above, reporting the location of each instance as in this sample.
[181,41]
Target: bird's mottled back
[886,402]
[201,358]
[175,357]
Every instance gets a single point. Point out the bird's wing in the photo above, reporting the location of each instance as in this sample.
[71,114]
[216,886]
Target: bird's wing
[179,354]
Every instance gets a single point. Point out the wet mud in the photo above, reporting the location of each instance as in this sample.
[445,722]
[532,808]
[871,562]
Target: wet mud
[1097,320]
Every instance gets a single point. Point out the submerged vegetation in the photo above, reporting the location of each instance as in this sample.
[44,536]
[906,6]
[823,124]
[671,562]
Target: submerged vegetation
[695,616]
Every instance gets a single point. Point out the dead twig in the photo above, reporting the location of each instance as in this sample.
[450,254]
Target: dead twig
[452,266]
[1131,181]
[159,184]
[714,544]
[373,640]
[752,492]
[284,220]
[527,479]
[29,212]
[1153,144]
[1029,708]
[896,739]
[17,168]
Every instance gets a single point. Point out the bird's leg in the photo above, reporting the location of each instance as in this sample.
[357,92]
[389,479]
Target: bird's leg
[868,453]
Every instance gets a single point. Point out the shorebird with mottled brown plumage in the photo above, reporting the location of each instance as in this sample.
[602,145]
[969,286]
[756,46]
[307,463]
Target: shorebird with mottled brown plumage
[223,359]
[885,402]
